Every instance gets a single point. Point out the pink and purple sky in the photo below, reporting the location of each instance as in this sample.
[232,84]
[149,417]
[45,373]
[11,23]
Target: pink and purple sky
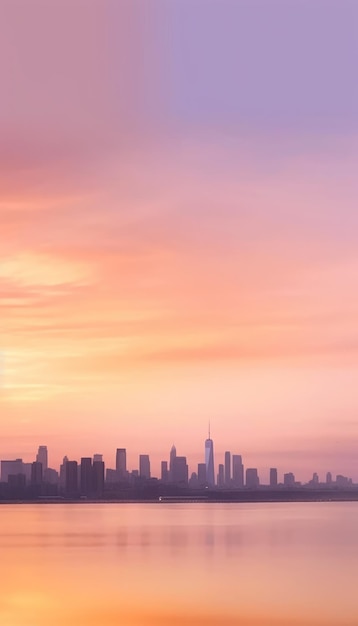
[178,230]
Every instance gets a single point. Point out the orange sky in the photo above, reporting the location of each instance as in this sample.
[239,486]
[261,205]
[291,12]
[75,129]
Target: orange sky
[157,272]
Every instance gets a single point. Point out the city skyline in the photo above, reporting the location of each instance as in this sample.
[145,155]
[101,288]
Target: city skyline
[231,472]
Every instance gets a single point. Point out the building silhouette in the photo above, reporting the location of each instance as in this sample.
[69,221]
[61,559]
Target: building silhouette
[172,456]
[221,476]
[201,475]
[11,468]
[180,471]
[71,472]
[227,469]
[237,471]
[36,473]
[164,474]
[98,478]
[50,476]
[289,480]
[144,466]
[86,476]
[315,479]
[42,457]
[121,463]
[63,473]
[252,478]
[209,461]
[273,477]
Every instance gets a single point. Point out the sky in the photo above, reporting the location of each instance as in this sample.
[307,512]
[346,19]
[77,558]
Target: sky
[178,230]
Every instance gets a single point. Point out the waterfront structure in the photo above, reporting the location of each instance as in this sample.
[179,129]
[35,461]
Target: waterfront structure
[121,463]
[42,457]
[209,461]
[144,466]
[252,478]
[273,477]
[237,471]
[227,477]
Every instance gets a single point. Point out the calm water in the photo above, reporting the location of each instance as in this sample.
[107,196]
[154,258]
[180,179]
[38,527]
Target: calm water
[171,564]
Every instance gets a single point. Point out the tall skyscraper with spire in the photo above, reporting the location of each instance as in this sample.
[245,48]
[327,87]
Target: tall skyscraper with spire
[209,461]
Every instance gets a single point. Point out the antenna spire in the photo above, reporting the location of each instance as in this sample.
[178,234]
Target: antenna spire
[209,429]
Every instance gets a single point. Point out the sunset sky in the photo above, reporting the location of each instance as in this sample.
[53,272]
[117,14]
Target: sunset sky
[178,230]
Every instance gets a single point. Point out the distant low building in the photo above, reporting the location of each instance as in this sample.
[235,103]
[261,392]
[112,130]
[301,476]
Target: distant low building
[289,480]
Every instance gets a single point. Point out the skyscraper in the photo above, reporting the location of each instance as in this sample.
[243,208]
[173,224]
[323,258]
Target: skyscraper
[63,472]
[273,477]
[209,461]
[173,453]
[42,457]
[121,463]
[227,468]
[221,476]
[71,470]
[144,466]
[86,476]
[164,471]
[237,471]
[98,478]
[201,474]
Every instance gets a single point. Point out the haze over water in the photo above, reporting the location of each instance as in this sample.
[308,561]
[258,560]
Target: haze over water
[187,564]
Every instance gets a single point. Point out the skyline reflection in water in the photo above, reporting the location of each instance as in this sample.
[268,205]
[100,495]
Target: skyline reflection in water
[191,564]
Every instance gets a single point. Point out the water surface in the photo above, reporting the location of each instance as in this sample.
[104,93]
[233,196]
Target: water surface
[169,564]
